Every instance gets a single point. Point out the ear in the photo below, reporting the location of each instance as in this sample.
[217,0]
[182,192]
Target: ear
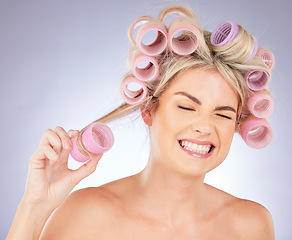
[147,116]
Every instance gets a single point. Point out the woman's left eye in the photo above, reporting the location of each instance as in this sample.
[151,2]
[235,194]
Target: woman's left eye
[223,116]
[186,108]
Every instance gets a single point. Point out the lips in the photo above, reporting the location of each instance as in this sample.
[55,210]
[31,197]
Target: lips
[202,149]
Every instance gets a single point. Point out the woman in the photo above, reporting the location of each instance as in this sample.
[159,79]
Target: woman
[193,103]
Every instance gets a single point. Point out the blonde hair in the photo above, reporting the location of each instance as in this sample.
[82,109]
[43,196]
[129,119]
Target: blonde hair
[228,60]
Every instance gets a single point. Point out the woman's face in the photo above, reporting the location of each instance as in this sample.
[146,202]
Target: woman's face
[193,126]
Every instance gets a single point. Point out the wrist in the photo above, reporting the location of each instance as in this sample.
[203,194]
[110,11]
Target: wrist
[29,221]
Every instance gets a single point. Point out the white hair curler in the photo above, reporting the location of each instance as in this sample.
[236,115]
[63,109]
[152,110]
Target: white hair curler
[261,105]
[267,56]
[257,79]
[135,96]
[145,68]
[183,36]
[97,138]
[257,133]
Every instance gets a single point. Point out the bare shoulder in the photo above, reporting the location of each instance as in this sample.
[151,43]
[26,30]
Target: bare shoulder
[253,220]
[86,212]
[249,219]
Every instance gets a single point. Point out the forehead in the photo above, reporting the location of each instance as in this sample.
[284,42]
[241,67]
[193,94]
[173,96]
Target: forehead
[206,85]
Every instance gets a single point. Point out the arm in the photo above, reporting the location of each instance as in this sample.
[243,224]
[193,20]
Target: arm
[49,182]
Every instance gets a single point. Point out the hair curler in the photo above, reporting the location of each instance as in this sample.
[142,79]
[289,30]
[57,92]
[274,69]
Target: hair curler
[135,26]
[257,133]
[148,72]
[133,96]
[267,56]
[260,105]
[97,138]
[158,45]
[183,36]
[257,79]
[224,33]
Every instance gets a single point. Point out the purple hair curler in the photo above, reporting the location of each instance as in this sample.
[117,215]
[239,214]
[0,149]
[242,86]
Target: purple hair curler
[157,46]
[182,27]
[261,105]
[254,51]
[133,96]
[257,79]
[224,33]
[148,72]
[267,56]
[257,133]
[97,138]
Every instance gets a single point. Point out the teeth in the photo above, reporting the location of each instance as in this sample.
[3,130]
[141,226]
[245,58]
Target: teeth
[202,149]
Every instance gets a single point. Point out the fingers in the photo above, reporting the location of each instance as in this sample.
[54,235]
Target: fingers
[64,138]
[54,145]
[42,154]
[86,169]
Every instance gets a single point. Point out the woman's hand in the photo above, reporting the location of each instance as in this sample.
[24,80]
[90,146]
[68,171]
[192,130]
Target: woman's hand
[49,179]
[49,182]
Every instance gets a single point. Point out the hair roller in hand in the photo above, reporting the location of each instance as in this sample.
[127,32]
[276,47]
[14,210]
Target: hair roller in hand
[133,91]
[145,68]
[257,133]
[183,36]
[145,41]
[224,33]
[260,105]
[97,138]
[257,79]
[267,56]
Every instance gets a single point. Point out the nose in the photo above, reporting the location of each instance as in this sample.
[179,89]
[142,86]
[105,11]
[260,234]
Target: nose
[202,125]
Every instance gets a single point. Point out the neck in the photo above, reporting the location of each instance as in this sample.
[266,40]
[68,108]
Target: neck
[176,198]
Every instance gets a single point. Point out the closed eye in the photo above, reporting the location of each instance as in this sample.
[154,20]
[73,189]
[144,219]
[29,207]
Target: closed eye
[186,108]
[223,116]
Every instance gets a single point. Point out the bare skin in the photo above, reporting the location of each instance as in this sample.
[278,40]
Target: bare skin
[168,199]
[118,210]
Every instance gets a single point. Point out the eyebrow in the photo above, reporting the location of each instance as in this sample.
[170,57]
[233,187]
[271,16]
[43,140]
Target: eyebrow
[194,99]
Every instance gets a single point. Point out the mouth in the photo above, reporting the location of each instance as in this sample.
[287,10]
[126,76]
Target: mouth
[203,150]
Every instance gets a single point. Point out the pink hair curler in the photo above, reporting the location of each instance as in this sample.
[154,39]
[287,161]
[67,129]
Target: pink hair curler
[157,46]
[267,56]
[148,72]
[261,105]
[257,133]
[182,27]
[135,26]
[257,79]
[254,51]
[133,96]
[97,138]
[224,33]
